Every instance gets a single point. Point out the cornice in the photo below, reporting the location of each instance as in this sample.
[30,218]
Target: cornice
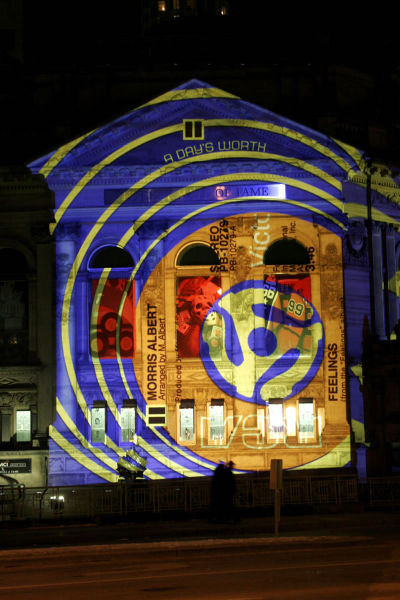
[19,378]
[129,175]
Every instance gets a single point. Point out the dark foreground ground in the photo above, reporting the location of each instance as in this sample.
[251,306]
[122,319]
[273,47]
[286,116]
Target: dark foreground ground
[347,555]
[355,521]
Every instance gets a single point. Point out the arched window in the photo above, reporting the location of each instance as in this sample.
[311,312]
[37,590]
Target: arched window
[113,304]
[112,257]
[197,255]
[14,338]
[13,262]
[286,252]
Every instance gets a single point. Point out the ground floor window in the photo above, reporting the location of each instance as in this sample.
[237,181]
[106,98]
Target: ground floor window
[216,415]
[23,424]
[128,423]
[275,418]
[98,424]
[306,417]
[290,420]
[186,420]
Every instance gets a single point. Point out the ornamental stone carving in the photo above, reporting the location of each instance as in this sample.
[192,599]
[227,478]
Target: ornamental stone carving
[18,376]
[68,231]
[14,398]
[356,247]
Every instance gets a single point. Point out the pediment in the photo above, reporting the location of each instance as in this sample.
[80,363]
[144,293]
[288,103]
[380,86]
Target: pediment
[153,135]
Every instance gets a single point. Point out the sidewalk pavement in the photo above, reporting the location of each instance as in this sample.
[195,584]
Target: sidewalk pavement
[292,528]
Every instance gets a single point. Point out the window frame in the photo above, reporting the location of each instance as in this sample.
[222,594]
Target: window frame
[128,405]
[275,436]
[186,404]
[98,406]
[94,274]
[19,411]
[222,439]
[306,437]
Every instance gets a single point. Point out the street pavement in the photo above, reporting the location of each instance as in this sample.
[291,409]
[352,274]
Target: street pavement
[184,530]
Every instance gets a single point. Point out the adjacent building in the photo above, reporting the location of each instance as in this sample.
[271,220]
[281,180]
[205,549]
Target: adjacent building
[27,326]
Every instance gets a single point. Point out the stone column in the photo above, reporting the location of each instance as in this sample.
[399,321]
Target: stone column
[65,255]
[82,323]
[377,276]
[391,266]
[45,328]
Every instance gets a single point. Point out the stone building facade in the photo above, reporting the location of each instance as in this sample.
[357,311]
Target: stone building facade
[214,263]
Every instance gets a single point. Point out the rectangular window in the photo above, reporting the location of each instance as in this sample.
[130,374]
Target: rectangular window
[128,423]
[306,416]
[290,414]
[23,418]
[14,338]
[194,298]
[112,317]
[217,420]
[261,421]
[98,424]
[157,415]
[275,418]
[193,130]
[186,420]
[287,310]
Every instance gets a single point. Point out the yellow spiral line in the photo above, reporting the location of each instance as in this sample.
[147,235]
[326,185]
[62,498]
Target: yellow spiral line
[164,202]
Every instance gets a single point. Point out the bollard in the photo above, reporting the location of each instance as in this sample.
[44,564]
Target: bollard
[275,483]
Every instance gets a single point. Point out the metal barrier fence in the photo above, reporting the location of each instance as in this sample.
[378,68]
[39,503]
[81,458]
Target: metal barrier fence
[189,495]
[381,491]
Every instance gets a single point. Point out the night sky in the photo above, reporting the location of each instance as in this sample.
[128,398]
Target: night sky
[83,64]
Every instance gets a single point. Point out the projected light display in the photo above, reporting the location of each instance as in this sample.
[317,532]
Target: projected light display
[268,322]
[105,320]
[226,339]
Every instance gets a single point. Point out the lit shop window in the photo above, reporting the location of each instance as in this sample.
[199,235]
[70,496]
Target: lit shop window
[157,415]
[98,424]
[162,5]
[23,421]
[216,414]
[291,421]
[275,419]
[306,418]
[193,130]
[261,421]
[112,310]
[128,423]
[186,420]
